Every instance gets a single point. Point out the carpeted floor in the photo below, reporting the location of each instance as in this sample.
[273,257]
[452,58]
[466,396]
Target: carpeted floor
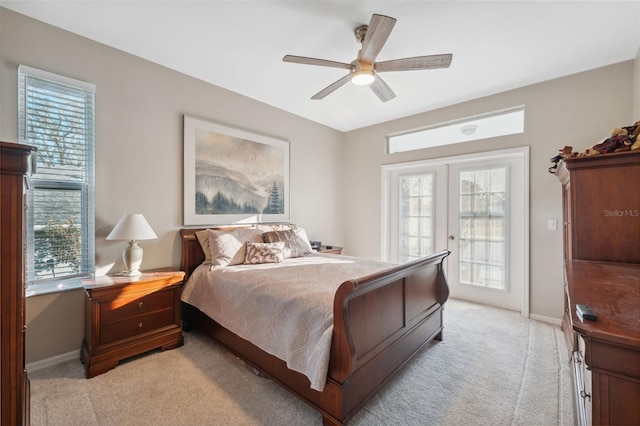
[492,368]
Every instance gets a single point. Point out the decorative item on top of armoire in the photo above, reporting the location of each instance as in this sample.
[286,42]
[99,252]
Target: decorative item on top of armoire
[621,139]
[14,383]
[601,209]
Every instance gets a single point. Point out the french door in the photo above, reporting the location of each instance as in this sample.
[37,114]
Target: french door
[476,207]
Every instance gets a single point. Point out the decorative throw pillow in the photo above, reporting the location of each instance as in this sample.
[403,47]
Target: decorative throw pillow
[296,243]
[228,247]
[303,240]
[268,227]
[264,253]
[203,239]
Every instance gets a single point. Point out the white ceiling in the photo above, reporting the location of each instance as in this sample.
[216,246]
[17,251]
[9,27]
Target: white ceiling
[239,45]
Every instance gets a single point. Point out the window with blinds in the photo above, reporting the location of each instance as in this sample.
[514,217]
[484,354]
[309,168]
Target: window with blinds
[56,114]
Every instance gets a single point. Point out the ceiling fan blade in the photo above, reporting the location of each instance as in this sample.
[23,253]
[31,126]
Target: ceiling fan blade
[382,90]
[416,63]
[332,87]
[377,34]
[315,61]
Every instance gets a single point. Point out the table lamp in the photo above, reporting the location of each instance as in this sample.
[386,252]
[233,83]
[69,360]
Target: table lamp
[132,227]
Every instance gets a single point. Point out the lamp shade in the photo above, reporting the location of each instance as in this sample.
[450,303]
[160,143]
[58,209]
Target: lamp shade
[132,227]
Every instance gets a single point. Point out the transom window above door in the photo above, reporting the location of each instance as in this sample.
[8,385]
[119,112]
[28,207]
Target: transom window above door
[497,123]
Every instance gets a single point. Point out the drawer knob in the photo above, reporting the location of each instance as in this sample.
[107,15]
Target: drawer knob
[139,325]
[139,305]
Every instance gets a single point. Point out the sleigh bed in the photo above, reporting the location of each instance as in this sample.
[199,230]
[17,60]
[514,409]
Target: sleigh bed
[380,321]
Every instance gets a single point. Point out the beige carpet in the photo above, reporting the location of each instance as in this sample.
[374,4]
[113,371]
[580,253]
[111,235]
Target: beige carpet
[493,368]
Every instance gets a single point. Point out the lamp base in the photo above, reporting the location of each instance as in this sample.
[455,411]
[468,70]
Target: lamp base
[132,258]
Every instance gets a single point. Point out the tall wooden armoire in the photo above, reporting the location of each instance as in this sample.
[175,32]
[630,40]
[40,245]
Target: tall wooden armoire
[601,203]
[14,384]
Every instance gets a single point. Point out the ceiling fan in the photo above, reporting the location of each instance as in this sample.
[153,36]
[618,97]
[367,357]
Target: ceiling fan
[364,69]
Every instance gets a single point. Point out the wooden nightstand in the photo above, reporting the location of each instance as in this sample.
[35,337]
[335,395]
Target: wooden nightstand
[330,249]
[127,316]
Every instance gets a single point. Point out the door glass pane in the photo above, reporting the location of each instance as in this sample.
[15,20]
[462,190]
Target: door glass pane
[482,233]
[416,216]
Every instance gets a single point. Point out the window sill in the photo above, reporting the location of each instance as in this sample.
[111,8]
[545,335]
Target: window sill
[53,287]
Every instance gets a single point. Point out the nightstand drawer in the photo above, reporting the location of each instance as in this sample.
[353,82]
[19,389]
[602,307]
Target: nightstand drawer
[136,325]
[122,309]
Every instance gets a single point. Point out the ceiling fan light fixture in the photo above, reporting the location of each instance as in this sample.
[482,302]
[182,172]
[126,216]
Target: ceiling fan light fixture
[363,77]
[363,71]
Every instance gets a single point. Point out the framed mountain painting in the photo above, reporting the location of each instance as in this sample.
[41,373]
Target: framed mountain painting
[233,176]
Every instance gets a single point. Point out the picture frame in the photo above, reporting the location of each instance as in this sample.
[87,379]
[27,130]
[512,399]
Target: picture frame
[233,176]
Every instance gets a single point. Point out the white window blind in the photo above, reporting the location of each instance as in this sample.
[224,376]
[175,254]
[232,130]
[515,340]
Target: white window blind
[56,114]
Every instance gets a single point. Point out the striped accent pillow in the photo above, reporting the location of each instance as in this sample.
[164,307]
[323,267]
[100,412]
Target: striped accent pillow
[295,240]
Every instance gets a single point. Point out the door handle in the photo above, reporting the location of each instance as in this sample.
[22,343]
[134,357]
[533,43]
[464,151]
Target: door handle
[451,237]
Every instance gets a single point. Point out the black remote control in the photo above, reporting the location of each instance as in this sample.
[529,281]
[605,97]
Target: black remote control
[585,312]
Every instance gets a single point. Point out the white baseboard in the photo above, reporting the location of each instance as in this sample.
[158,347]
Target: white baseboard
[549,320]
[54,360]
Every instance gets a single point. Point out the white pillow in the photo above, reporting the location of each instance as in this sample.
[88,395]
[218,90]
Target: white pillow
[303,240]
[228,247]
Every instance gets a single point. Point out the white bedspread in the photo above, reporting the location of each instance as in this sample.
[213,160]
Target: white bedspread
[286,309]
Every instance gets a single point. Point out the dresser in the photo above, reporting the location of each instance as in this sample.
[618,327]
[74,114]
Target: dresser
[14,383]
[601,209]
[127,316]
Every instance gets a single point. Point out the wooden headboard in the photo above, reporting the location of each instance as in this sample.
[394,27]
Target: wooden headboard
[192,254]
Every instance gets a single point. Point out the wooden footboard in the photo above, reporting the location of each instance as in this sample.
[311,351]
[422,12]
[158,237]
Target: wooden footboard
[380,322]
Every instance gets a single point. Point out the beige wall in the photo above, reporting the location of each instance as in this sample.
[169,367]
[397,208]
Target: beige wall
[139,152]
[577,110]
[139,157]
